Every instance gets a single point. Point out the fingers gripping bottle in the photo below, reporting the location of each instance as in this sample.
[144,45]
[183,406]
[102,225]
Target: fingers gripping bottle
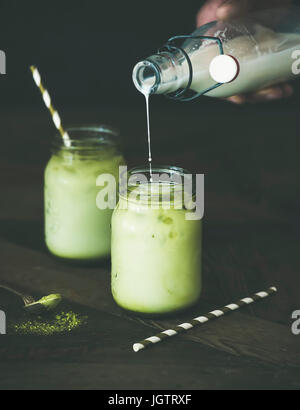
[221,59]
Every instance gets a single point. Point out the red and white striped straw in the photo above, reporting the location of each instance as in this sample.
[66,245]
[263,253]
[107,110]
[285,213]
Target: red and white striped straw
[47,100]
[215,314]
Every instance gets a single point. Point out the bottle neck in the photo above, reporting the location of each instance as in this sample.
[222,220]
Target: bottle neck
[161,73]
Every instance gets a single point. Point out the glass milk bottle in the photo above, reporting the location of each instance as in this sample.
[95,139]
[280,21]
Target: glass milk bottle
[75,228]
[221,59]
[156,250]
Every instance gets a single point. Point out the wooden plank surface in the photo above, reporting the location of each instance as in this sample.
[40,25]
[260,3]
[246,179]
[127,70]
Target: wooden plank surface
[98,357]
[238,334]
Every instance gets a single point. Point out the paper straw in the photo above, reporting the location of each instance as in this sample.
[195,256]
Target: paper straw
[215,314]
[47,100]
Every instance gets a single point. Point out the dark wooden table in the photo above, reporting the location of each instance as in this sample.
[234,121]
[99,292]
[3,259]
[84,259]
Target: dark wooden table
[250,158]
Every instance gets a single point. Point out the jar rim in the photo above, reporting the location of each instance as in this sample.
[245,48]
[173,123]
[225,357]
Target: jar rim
[88,137]
[158,169]
[151,186]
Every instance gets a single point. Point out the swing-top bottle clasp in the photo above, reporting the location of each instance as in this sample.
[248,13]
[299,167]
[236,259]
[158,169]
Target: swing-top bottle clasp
[223,68]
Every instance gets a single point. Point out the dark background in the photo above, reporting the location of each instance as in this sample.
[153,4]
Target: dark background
[85,50]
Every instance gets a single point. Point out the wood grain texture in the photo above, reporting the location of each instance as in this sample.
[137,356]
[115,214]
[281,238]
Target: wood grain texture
[238,334]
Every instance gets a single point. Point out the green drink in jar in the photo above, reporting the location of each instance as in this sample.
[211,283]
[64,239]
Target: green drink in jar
[75,228]
[156,250]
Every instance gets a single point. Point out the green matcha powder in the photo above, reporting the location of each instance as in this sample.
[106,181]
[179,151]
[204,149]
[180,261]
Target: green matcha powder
[63,322]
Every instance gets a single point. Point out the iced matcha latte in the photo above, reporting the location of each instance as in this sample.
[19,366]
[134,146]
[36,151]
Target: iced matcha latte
[74,227]
[156,254]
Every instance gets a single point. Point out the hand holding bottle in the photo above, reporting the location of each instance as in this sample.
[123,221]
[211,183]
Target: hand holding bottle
[229,9]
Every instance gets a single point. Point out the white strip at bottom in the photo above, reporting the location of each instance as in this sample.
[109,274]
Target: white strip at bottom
[153,339]
[262,294]
[217,313]
[186,326]
[201,319]
[138,346]
[232,306]
[247,300]
[170,332]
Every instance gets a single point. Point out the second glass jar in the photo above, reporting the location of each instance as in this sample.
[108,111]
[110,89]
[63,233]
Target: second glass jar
[75,228]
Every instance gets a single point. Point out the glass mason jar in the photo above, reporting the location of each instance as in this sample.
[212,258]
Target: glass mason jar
[74,226]
[156,250]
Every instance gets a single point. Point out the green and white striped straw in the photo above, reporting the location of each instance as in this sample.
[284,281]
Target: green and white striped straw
[47,100]
[215,314]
